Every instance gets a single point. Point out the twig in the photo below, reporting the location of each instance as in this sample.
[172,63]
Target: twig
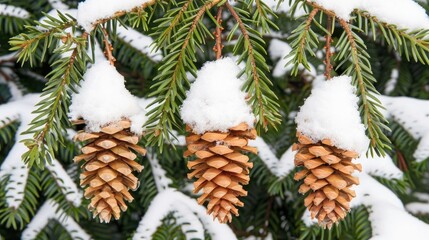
[218,34]
[401,161]
[108,47]
[327,61]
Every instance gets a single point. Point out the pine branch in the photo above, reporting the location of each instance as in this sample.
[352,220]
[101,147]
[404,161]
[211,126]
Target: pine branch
[19,217]
[172,19]
[262,15]
[352,49]
[8,128]
[172,80]
[262,99]
[45,34]
[412,44]
[303,40]
[52,110]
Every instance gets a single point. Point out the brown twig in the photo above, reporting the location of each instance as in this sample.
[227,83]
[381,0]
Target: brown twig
[108,47]
[328,37]
[218,34]
[402,163]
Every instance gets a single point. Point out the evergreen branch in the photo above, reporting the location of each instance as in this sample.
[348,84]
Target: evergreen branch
[172,80]
[164,38]
[12,25]
[352,48]
[262,98]
[303,40]
[52,110]
[262,14]
[45,34]
[8,128]
[409,43]
[19,217]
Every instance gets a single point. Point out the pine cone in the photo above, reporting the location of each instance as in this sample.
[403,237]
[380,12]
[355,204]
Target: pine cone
[221,168]
[328,174]
[109,162]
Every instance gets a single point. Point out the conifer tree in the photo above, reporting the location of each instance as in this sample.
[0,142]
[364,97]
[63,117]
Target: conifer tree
[214,119]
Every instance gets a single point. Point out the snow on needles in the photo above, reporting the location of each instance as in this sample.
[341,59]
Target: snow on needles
[102,99]
[402,13]
[331,111]
[92,10]
[215,101]
[13,11]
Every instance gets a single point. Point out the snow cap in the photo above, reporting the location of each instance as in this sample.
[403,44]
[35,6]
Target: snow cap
[215,101]
[331,111]
[102,99]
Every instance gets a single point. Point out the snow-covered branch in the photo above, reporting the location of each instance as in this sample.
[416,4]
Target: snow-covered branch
[174,201]
[47,213]
[13,11]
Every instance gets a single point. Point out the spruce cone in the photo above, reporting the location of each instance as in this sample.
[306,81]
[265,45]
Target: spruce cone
[221,168]
[328,174]
[108,167]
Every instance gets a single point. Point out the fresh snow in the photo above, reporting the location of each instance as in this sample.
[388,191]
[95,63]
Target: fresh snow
[331,111]
[406,14]
[162,182]
[50,211]
[184,209]
[92,10]
[14,168]
[413,115]
[102,99]
[380,166]
[140,42]
[58,4]
[391,84]
[279,51]
[70,190]
[170,200]
[12,11]
[279,167]
[215,101]
[284,7]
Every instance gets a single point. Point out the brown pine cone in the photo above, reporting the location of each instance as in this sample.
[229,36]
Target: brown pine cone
[221,168]
[107,171]
[328,174]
